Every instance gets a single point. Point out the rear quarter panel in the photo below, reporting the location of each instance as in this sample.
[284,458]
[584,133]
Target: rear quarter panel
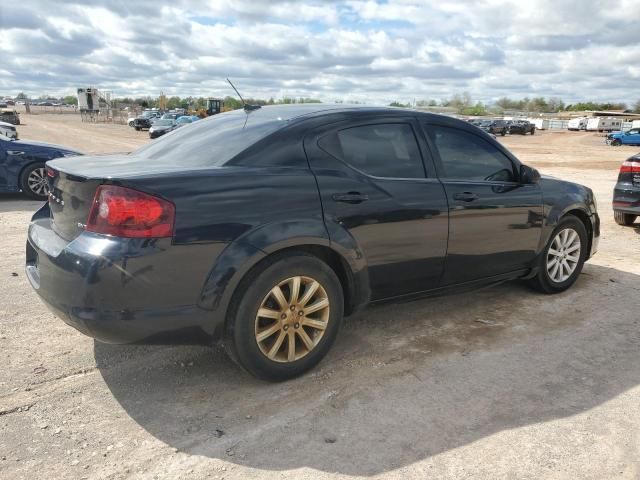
[239,214]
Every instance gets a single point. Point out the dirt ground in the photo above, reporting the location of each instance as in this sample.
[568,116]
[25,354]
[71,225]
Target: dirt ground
[501,383]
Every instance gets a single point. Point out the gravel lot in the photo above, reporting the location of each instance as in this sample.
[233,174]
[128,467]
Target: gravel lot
[499,383]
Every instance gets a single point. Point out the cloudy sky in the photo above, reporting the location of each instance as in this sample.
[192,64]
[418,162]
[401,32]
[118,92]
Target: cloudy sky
[366,50]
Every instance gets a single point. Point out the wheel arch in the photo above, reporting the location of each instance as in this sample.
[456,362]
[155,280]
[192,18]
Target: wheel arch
[576,210]
[243,257]
[583,216]
[23,168]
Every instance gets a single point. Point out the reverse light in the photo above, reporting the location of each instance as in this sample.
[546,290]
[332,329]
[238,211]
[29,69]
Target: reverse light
[124,212]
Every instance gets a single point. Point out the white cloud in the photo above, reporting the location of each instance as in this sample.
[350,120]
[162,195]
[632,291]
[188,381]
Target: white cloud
[361,49]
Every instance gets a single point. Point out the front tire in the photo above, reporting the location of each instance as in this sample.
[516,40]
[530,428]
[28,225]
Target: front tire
[624,219]
[563,257]
[33,182]
[284,317]
[616,142]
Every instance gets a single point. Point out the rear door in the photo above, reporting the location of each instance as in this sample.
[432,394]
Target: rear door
[495,222]
[374,183]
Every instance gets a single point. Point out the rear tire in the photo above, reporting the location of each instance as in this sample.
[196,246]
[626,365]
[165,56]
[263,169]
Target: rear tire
[561,251]
[624,219]
[33,182]
[137,129]
[271,347]
[533,131]
[616,142]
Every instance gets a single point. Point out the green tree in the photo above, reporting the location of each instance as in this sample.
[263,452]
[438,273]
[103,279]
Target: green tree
[70,100]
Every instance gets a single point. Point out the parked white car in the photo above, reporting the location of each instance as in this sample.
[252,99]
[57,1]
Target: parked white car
[8,130]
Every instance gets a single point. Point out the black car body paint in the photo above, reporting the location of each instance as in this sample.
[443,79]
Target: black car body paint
[263,184]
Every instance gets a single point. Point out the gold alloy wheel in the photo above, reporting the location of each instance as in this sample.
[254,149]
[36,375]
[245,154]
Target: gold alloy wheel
[292,319]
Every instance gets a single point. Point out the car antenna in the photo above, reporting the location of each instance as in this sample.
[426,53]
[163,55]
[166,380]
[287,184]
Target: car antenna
[246,106]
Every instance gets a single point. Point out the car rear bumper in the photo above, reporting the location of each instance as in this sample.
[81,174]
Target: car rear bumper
[100,286]
[626,198]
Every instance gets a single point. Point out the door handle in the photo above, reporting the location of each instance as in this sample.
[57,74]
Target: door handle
[465,196]
[350,197]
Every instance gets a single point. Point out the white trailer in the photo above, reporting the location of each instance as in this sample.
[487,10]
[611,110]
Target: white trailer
[604,124]
[540,123]
[635,124]
[577,123]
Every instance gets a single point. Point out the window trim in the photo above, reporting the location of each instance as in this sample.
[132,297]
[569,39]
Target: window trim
[437,160]
[365,123]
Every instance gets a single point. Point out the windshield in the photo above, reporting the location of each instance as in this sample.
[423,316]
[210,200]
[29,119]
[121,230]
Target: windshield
[212,141]
[184,120]
[164,123]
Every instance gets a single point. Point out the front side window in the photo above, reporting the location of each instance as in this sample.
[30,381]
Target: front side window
[381,150]
[466,156]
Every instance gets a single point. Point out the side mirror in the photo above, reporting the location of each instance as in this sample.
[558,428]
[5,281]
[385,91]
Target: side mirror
[529,175]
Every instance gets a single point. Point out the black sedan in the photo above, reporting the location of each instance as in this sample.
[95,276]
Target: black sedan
[162,126]
[265,227]
[22,165]
[626,193]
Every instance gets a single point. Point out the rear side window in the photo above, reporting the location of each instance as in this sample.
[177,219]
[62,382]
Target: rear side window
[210,142]
[381,150]
[466,156]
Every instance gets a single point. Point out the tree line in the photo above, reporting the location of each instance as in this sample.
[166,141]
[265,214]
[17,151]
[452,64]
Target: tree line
[465,105]
[461,103]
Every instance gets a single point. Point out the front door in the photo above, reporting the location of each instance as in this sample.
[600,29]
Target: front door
[374,184]
[495,222]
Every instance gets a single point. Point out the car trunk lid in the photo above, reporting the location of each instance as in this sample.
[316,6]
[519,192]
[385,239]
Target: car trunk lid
[70,199]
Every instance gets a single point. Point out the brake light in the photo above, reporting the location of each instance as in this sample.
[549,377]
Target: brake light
[51,172]
[630,166]
[123,212]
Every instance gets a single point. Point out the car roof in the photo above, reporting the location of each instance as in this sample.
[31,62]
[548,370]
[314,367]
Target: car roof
[305,111]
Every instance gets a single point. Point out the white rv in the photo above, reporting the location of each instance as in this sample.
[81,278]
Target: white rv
[540,123]
[604,124]
[579,123]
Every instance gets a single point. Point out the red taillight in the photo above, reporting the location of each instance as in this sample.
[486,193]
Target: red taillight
[123,212]
[630,166]
[51,172]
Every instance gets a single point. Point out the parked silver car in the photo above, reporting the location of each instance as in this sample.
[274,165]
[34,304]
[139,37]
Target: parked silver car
[8,130]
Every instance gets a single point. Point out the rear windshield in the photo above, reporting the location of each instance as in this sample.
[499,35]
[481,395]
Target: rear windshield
[212,141]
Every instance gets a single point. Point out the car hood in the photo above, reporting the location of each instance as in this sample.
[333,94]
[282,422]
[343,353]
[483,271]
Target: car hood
[551,186]
[157,128]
